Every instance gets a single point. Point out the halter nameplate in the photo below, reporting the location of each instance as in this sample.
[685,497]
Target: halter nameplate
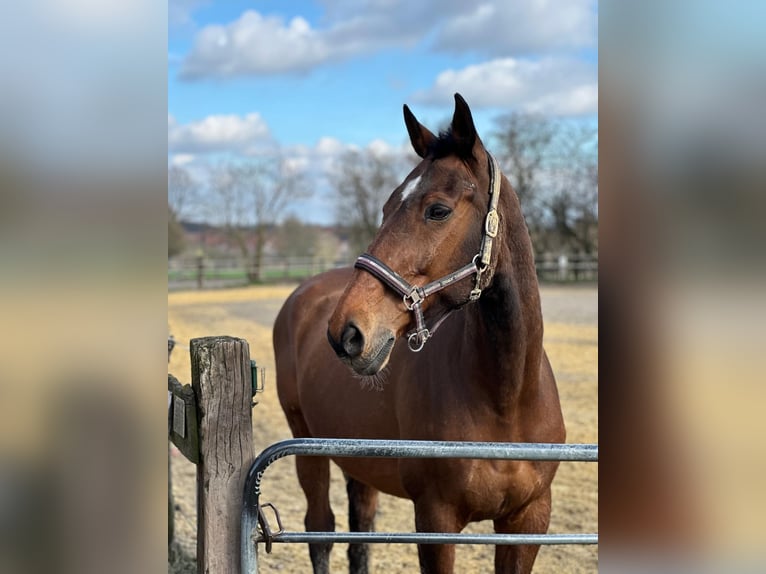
[413,296]
[492,224]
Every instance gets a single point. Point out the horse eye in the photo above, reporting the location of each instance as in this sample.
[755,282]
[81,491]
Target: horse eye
[438,212]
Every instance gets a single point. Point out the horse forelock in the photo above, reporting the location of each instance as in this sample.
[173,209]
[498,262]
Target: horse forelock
[448,143]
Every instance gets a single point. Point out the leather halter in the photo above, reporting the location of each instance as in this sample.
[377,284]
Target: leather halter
[414,295]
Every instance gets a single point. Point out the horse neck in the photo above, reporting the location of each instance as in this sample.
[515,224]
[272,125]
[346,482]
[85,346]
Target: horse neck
[507,321]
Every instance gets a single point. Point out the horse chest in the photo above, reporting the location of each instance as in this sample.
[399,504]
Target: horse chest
[478,489]
[481,489]
[444,404]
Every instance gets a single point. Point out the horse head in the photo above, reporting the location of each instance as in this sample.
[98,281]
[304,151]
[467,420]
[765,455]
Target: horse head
[433,249]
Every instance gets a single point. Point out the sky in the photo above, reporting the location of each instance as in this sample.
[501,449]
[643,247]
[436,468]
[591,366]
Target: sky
[308,80]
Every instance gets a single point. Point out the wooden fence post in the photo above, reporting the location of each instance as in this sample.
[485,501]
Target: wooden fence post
[200,271]
[221,380]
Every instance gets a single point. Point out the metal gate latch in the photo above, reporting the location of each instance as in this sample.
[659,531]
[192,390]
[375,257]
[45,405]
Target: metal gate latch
[267,535]
[258,380]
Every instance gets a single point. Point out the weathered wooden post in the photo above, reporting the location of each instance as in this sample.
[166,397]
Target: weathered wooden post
[221,380]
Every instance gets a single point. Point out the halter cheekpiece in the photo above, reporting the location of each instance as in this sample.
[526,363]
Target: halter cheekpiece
[414,295]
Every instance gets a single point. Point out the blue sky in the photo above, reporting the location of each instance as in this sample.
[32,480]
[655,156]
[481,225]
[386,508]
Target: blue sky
[312,79]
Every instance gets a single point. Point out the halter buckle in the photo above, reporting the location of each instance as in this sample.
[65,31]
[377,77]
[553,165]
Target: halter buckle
[412,299]
[475,294]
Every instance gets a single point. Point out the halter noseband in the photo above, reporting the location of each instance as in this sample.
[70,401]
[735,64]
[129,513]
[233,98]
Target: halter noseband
[413,295]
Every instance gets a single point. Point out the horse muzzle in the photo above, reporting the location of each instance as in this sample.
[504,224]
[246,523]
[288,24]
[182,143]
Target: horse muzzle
[352,348]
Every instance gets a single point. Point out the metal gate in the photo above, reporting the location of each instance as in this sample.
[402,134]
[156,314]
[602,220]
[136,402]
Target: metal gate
[253,515]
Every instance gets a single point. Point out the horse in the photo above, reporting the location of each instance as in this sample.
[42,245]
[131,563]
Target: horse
[441,326]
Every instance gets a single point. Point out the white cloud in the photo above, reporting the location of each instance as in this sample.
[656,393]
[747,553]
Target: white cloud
[328,147]
[514,28]
[558,86]
[380,147]
[219,133]
[260,44]
[575,101]
[322,158]
[255,44]
[182,159]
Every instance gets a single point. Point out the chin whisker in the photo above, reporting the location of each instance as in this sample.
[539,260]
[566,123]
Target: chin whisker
[374,382]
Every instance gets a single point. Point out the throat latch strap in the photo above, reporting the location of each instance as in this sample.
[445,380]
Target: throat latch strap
[492,221]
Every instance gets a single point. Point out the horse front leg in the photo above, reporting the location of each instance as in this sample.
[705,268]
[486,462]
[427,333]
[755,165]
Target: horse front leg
[533,518]
[434,516]
[314,477]
[362,506]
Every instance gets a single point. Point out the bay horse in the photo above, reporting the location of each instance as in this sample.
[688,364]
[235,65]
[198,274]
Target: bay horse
[441,317]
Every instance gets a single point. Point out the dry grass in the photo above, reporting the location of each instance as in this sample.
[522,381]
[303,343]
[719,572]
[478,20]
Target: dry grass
[572,345]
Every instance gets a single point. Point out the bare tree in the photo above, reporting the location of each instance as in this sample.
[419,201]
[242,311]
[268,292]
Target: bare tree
[176,241]
[296,238]
[551,165]
[572,201]
[525,141]
[182,191]
[230,205]
[253,195]
[362,181]
[271,186]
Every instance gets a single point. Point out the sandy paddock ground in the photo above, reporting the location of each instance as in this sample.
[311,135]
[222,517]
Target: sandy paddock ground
[571,341]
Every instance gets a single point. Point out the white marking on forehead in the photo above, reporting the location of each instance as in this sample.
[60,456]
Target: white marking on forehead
[409,188]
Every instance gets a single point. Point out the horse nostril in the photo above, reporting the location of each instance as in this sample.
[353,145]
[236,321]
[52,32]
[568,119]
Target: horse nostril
[352,340]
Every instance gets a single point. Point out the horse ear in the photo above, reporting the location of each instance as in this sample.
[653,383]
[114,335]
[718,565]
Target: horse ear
[420,136]
[463,129]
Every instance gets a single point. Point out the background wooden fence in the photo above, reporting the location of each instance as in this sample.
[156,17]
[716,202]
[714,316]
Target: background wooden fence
[201,272]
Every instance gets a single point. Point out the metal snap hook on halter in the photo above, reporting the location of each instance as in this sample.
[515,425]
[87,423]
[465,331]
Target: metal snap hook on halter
[420,338]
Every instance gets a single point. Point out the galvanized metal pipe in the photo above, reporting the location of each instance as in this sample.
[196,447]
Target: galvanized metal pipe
[414,449]
[434,538]
[368,448]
